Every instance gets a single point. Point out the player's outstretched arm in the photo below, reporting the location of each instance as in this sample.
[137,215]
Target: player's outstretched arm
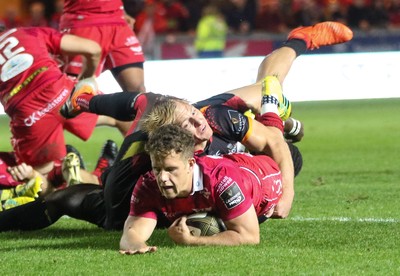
[137,230]
[243,229]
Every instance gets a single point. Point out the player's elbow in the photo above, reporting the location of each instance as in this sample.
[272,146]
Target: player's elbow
[250,239]
[253,240]
[280,216]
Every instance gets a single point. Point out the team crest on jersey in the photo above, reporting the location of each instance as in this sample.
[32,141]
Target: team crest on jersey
[232,196]
[237,120]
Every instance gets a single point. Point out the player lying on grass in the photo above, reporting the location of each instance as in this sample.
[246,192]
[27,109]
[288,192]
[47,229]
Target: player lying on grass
[108,206]
[276,64]
[238,188]
[73,169]
[89,202]
[20,183]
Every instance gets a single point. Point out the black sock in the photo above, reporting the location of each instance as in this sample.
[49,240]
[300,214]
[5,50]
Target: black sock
[298,45]
[116,105]
[29,216]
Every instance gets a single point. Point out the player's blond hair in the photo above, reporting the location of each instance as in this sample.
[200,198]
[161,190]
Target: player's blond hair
[162,113]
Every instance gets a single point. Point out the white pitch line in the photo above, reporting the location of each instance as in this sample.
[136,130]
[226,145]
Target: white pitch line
[347,219]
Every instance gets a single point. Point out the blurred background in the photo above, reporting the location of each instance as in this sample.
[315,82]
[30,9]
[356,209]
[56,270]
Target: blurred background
[174,29]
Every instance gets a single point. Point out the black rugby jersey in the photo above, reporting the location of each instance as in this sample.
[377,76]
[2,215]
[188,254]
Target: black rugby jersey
[230,127]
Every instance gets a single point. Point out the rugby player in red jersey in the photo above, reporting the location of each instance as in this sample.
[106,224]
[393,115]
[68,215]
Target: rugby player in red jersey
[239,188]
[106,23]
[33,88]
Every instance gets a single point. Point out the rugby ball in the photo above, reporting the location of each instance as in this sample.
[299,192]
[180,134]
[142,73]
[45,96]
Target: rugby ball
[204,224]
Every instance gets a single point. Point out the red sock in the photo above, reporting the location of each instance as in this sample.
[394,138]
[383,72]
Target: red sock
[270,119]
[102,165]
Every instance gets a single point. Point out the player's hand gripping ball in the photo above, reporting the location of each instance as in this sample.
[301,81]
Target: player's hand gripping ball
[204,224]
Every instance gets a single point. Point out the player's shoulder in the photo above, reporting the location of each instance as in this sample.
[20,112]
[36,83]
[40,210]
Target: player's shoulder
[146,187]
[225,115]
[215,165]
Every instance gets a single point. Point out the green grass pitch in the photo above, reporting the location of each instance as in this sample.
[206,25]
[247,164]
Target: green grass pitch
[345,218]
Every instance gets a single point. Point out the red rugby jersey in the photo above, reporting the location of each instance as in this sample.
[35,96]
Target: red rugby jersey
[86,13]
[227,186]
[26,62]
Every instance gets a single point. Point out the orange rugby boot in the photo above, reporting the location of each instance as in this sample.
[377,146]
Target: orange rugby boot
[72,107]
[322,34]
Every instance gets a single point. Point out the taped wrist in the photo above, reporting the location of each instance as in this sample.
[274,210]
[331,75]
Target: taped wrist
[295,128]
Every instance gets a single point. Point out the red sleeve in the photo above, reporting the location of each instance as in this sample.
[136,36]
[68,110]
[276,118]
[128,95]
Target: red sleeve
[271,119]
[232,197]
[144,199]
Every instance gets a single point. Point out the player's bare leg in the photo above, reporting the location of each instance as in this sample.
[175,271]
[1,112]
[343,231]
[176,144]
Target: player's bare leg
[123,127]
[278,64]
[131,79]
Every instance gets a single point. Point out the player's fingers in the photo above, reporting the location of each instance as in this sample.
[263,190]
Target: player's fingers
[17,168]
[22,166]
[152,249]
[144,250]
[128,252]
[15,173]
[21,170]
[271,212]
[12,172]
[148,249]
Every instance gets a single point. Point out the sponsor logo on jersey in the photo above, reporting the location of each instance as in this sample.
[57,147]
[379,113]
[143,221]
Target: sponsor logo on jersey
[28,80]
[223,184]
[16,65]
[232,196]
[237,120]
[37,115]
